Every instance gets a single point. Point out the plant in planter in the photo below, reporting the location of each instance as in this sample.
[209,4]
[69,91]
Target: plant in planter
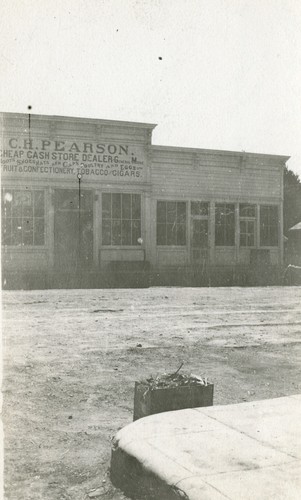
[171,392]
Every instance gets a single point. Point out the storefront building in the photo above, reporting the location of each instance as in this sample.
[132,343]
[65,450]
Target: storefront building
[92,203]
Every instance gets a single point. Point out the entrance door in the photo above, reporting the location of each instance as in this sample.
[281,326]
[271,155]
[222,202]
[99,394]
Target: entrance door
[199,241]
[73,230]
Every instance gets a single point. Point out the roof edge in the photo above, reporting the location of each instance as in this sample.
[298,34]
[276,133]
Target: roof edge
[223,152]
[80,119]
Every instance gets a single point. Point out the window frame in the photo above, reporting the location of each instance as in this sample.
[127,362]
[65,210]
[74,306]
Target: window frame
[269,226]
[217,226]
[247,219]
[175,224]
[120,220]
[23,246]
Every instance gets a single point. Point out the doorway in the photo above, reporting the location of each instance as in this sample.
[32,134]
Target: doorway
[73,230]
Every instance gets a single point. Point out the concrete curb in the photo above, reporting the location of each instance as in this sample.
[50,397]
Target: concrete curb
[245,451]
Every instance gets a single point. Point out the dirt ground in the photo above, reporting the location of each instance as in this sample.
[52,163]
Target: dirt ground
[71,358]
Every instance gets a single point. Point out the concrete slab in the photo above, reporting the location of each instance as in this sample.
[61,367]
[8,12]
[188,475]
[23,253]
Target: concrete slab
[243,451]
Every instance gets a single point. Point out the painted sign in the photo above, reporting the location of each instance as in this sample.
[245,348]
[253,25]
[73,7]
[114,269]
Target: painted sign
[39,157]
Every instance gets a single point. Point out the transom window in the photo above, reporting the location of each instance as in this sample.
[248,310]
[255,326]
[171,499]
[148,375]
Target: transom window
[200,208]
[121,219]
[224,224]
[23,217]
[268,225]
[247,214]
[171,223]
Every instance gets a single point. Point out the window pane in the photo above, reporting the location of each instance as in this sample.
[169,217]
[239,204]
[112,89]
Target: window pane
[224,224]
[38,203]
[116,206]
[136,231]
[106,232]
[126,206]
[181,234]
[199,208]
[39,236]
[16,231]
[6,203]
[171,207]
[136,206]
[268,225]
[161,212]
[246,210]
[161,234]
[6,232]
[204,233]
[106,206]
[116,232]
[16,205]
[126,232]
[171,234]
[27,211]
[27,232]
[181,212]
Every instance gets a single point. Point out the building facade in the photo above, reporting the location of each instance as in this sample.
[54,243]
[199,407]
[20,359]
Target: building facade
[92,203]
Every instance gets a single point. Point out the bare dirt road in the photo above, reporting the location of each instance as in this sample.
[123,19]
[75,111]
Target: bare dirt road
[71,358]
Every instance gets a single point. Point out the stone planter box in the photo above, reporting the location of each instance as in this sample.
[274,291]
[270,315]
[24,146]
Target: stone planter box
[148,401]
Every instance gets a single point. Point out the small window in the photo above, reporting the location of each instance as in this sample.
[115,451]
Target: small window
[23,217]
[200,208]
[121,219]
[246,210]
[171,223]
[268,225]
[224,224]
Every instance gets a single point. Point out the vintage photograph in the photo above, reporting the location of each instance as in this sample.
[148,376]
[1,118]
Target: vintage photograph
[151,249]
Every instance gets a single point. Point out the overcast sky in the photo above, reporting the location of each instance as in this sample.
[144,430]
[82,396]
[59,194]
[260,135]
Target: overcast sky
[220,74]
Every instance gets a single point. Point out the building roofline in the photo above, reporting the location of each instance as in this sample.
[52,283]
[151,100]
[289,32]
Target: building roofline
[177,149]
[80,119]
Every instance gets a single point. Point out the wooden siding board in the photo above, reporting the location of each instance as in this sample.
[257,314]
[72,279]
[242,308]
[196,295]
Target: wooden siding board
[193,181]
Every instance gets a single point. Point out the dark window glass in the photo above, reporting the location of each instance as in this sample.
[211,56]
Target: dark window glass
[224,224]
[106,232]
[181,234]
[116,232]
[116,206]
[39,229]
[23,215]
[38,204]
[161,234]
[126,232]
[246,210]
[161,212]
[200,208]
[247,214]
[136,206]
[121,224]
[200,233]
[171,212]
[268,225]
[136,231]
[106,206]
[247,233]
[171,223]
[126,206]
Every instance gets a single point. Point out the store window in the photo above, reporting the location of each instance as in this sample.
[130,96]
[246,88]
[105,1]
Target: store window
[171,223]
[268,225]
[224,224]
[121,219]
[23,217]
[247,218]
